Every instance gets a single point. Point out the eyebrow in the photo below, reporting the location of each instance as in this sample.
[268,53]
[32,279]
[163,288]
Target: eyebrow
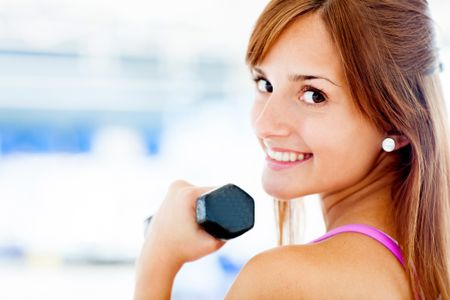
[299,77]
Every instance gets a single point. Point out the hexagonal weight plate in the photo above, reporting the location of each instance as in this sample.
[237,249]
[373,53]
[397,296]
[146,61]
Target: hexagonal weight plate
[226,212]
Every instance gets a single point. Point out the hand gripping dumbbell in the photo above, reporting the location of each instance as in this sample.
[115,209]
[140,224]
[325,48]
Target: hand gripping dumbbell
[225,213]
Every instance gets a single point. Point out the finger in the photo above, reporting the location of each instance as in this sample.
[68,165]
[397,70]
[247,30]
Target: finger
[179,184]
[192,193]
[206,189]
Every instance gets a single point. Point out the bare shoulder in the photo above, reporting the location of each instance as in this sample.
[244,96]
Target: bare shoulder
[278,273]
[342,267]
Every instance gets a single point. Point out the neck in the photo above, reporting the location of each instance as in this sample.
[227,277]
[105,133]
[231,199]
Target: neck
[367,202]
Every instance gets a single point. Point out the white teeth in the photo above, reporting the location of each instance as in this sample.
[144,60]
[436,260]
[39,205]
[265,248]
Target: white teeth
[279,156]
[285,156]
[271,154]
[292,157]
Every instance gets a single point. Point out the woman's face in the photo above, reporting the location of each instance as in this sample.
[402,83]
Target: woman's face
[304,107]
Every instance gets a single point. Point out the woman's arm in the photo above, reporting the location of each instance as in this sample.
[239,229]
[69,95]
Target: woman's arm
[155,274]
[173,238]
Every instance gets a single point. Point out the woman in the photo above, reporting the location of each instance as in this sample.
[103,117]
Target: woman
[348,106]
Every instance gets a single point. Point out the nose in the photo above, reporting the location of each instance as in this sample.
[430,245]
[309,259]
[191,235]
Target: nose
[270,117]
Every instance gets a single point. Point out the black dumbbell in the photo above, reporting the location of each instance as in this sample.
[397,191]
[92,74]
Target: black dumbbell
[225,213]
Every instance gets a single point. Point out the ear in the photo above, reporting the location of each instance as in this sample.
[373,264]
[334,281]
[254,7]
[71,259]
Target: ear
[401,141]
[394,142]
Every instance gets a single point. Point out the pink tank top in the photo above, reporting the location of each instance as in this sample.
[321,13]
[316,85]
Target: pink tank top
[370,231]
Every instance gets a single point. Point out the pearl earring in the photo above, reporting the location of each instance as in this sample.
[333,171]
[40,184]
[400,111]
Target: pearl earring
[388,144]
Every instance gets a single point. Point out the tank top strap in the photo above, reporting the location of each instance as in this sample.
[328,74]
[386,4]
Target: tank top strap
[380,236]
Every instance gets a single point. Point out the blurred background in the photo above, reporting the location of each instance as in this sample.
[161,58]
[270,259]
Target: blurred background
[102,105]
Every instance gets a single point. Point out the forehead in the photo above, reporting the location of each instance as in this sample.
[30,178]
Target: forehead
[305,47]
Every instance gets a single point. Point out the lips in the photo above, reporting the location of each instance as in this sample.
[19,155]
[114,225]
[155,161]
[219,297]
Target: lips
[281,165]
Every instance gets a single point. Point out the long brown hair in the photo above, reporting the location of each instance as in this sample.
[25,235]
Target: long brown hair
[390,61]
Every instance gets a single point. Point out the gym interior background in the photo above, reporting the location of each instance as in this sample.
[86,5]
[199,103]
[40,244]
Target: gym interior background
[102,105]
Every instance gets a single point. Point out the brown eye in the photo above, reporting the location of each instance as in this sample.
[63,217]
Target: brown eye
[264,86]
[313,97]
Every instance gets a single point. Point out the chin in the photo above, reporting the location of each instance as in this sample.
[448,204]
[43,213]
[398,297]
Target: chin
[282,191]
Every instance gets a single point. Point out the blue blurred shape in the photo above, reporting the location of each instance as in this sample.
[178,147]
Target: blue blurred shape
[42,138]
[11,252]
[228,266]
[152,138]
[47,131]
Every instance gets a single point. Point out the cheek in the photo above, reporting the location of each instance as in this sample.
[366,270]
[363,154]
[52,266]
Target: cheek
[254,112]
[344,151]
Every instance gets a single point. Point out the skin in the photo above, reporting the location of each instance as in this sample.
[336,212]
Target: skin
[346,171]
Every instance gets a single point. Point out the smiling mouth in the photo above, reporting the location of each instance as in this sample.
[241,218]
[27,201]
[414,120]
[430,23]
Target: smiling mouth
[287,157]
